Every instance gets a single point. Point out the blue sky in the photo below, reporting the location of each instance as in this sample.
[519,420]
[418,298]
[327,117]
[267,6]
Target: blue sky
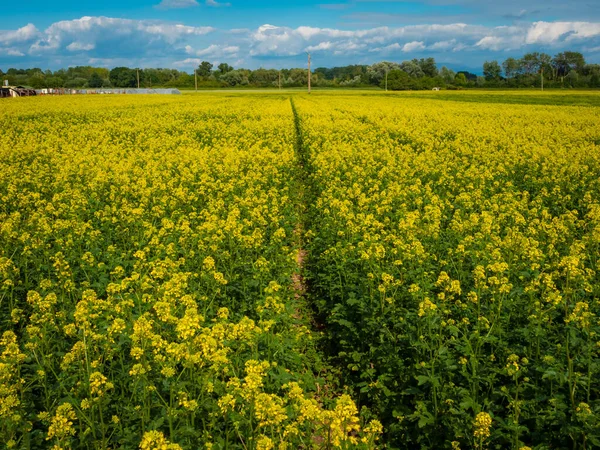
[181,33]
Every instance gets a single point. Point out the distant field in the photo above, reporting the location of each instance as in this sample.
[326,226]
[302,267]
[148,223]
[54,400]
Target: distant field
[271,269]
[522,96]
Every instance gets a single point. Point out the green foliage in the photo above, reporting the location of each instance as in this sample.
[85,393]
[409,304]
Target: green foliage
[204,69]
[123,77]
[492,70]
[95,81]
[440,248]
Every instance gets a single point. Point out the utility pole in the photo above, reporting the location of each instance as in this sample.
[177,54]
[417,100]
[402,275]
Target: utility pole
[542,78]
[386,72]
[138,77]
[279,79]
[308,72]
[196,78]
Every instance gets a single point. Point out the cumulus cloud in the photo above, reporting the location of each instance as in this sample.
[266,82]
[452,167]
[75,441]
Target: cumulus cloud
[413,46]
[214,50]
[319,47]
[443,45]
[22,35]
[176,44]
[12,52]
[550,32]
[109,37]
[80,46]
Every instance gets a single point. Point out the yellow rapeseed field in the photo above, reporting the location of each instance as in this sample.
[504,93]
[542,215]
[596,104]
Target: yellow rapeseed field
[149,267]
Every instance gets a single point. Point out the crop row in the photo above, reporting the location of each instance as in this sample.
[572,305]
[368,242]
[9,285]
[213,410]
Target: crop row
[147,249]
[454,264]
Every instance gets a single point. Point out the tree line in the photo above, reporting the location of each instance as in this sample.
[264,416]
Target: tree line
[565,70]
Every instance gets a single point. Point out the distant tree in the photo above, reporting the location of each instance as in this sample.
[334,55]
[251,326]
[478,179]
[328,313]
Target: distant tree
[233,77]
[343,74]
[468,75]
[95,81]
[297,77]
[377,71]
[492,70]
[412,68]
[224,68]
[204,69]
[78,82]
[510,67]
[123,77]
[263,77]
[461,79]
[428,66]
[447,74]
[399,80]
[529,63]
[37,80]
[566,61]
[356,81]
[54,82]
[573,79]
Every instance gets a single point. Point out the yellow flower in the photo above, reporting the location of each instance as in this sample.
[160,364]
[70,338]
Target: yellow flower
[426,306]
[99,384]
[61,425]
[482,424]
[155,440]
[264,443]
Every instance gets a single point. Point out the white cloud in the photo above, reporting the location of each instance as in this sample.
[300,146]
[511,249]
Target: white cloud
[551,32]
[176,4]
[321,46]
[413,46]
[112,35]
[12,52]
[443,45]
[387,49]
[188,62]
[25,34]
[216,4]
[214,50]
[163,43]
[80,46]
[490,43]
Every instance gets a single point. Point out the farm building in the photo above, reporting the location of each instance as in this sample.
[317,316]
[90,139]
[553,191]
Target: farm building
[15,91]
[62,91]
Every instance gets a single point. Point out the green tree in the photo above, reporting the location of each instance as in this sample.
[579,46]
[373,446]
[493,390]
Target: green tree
[460,79]
[428,66]
[78,82]
[399,80]
[567,61]
[204,69]
[263,77]
[95,81]
[233,77]
[492,70]
[447,75]
[376,72]
[412,68]
[54,82]
[224,68]
[510,67]
[123,77]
